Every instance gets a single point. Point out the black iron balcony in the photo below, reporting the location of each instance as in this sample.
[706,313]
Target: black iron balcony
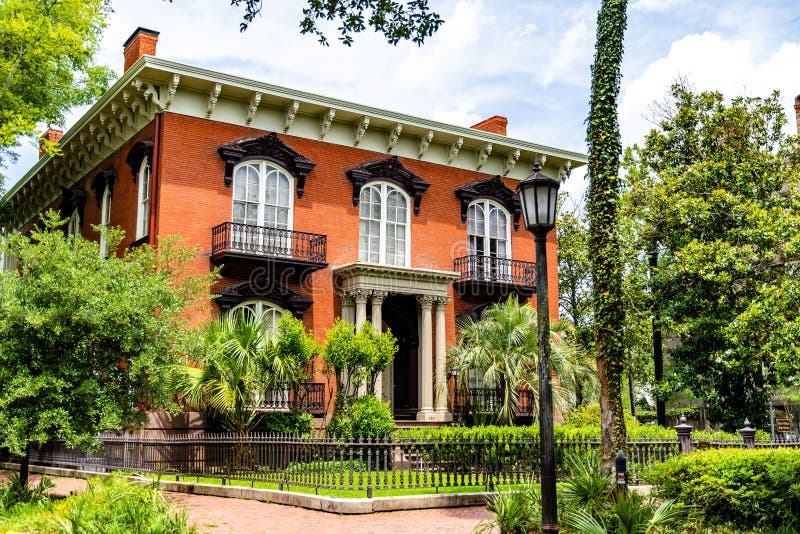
[487,401]
[486,275]
[249,242]
[306,397]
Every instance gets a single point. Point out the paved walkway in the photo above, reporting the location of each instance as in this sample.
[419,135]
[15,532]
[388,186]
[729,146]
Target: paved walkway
[219,515]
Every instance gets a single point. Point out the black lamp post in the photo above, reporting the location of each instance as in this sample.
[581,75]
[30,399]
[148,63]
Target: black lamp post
[538,194]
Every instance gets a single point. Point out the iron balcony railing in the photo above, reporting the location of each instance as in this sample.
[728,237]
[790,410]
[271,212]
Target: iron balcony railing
[476,268]
[305,397]
[266,242]
[489,400]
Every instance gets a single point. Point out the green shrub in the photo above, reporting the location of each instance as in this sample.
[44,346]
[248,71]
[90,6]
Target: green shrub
[363,417]
[113,505]
[109,506]
[514,512]
[751,488]
[288,423]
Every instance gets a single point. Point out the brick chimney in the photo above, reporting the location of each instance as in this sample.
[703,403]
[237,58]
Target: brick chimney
[52,135]
[142,42]
[797,112]
[495,125]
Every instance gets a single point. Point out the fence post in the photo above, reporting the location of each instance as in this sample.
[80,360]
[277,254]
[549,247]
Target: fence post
[684,431]
[748,435]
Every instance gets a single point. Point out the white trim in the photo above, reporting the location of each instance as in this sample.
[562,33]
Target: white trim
[74,224]
[487,204]
[105,219]
[143,200]
[262,307]
[263,171]
[384,188]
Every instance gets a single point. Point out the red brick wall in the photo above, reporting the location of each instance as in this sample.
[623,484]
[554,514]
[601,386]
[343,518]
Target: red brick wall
[193,199]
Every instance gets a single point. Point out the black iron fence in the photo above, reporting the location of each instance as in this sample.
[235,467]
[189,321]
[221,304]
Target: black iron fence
[305,397]
[365,464]
[263,241]
[477,268]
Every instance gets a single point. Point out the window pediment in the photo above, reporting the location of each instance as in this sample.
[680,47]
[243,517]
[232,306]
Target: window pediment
[389,170]
[139,151]
[102,180]
[274,292]
[72,199]
[268,147]
[492,189]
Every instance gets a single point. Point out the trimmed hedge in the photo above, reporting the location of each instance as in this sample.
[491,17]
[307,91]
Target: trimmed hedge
[635,431]
[743,488]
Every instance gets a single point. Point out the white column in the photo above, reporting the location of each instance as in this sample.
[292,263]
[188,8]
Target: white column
[361,296]
[440,380]
[377,323]
[348,307]
[426,359]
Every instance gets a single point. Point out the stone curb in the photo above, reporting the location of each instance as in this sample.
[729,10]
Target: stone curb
[336,505]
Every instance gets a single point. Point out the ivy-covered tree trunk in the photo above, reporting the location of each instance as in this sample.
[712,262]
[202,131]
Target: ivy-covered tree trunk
[605,149]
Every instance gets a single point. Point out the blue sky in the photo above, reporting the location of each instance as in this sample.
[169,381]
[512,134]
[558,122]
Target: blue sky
[528,61]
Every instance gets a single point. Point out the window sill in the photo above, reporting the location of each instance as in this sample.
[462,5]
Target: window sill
[139,242]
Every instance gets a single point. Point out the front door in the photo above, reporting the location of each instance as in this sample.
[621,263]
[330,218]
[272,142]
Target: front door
[400,315]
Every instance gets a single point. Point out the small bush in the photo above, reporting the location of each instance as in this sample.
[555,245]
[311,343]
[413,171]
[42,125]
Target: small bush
[288,423]
[751,488]
[116,505]
[363,417]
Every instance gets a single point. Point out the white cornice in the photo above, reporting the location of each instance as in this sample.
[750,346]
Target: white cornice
[153,85]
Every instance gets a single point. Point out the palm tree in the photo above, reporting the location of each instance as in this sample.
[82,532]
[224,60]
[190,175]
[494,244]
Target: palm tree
[501,346]
[244,358]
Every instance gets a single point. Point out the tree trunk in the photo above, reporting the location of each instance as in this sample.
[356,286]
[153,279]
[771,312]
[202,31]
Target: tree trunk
[605,148]
[630,391]
[24,466]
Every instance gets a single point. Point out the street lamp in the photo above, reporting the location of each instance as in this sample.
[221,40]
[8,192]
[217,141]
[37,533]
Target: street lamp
[538,194]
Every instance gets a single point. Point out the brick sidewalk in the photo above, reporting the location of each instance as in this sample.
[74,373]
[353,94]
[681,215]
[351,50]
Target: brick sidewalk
[220,515]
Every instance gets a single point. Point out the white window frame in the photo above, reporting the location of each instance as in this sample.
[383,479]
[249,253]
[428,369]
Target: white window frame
[264,168]
[143,202]
[487,205]
[384,188]
[105,219]
[485,267]
[275,397]
[74,224]
[262,307]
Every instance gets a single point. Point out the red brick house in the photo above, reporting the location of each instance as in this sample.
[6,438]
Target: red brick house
[319,206]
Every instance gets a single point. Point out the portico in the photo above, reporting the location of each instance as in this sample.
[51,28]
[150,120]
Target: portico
[362,285]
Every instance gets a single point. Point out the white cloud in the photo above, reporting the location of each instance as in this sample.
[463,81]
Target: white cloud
[711,62]
[570,60]
[655,5]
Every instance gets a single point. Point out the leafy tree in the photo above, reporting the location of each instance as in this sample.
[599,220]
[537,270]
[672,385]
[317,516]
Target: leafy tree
[574,276]
[355,358]
[605,149]
[396,20]
[717,185]
[86,343]
[47,50]
[501,346]
[240,361]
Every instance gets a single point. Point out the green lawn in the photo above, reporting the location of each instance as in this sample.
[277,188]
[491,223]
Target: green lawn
[410,485]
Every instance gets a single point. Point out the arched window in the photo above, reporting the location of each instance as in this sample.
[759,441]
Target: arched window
[262,208]
[262,195]
[105,219]
[384,235]
[264,309]
[143,209]
[489,238]
[74,224]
